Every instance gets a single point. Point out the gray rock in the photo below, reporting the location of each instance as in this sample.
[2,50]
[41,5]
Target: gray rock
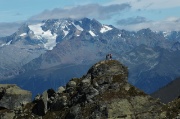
[115,86]
[45,100]
[103,88]
[61,89]
[99,96]
[7,115]
[71,84]
[12,96]
[92,92]
[74,113]
[86,82]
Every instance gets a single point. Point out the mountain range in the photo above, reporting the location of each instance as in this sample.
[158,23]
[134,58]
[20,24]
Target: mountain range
[169,92]
[47,50]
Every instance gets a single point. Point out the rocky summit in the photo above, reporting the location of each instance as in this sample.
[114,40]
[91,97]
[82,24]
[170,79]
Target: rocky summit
[103,93]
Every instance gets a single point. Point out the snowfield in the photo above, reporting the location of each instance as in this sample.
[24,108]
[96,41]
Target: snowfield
[40,34]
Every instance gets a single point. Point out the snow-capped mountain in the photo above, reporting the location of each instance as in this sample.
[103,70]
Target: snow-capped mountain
[51,45]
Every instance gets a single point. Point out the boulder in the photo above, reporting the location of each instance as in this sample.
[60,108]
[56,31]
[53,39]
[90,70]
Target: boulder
[7,115]
[11,96]
[61,89]
[71,84]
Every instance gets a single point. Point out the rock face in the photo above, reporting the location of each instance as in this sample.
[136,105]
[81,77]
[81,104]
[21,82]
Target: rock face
[11,96]
[103,93]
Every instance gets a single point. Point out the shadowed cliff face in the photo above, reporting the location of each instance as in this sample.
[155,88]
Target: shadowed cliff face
[100,94]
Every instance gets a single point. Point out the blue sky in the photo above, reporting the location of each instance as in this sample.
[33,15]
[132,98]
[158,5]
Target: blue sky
[157,15]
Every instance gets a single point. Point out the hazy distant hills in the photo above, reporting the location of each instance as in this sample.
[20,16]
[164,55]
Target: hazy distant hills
[152,67]
[48,46]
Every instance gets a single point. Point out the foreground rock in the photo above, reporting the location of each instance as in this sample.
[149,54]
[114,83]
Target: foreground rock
[103,93]
[11,96]
[12,99]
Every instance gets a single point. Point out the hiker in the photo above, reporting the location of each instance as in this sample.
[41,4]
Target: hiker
[107,57]
[110,56]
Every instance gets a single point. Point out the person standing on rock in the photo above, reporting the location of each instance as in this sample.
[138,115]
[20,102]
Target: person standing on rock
[107,57]
[110,56]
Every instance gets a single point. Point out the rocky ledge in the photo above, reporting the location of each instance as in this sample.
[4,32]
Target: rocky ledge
[103,93]
[11,96]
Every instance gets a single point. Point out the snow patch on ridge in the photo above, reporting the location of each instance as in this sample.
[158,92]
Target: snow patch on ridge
[119,35]
[166,34]
[40,34]
[92,33]
[105,29]
[9,42]
[78,27]
[65,33]
[6,44]
[23,34]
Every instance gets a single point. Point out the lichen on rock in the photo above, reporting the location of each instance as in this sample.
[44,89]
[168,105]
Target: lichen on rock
[103,93]
[12,96]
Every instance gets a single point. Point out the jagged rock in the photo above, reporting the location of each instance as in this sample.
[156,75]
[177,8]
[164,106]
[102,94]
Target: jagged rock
[59,103]
[74,113]
[91,93]
[61,89]
[120,109]
[7,115]
[107,67]
[51,93]
[11,96]
[103,93]
[39,107]
[71,84]
[45,100]
[86,81]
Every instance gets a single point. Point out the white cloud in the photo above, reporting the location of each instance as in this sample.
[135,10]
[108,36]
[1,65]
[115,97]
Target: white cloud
[90,10]
[149,4]
[9,28]
[172,19]
[132,20]
[169,24]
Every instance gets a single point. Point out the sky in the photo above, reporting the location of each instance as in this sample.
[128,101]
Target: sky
[132,15]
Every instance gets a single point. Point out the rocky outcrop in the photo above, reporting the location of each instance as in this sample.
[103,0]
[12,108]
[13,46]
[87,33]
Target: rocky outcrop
[12,100]
[11,96]
[103,93]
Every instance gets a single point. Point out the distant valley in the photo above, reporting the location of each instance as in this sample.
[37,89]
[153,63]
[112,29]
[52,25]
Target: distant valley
[44,54]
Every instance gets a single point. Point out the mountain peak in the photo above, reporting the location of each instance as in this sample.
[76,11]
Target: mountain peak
[107,67]
[102,93]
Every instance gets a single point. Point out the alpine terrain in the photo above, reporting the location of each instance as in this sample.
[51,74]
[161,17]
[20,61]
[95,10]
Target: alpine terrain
[48,53]
[102,93]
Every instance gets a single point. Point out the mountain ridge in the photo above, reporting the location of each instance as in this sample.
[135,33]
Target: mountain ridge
[103,92]
[86,41]
[169,92]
